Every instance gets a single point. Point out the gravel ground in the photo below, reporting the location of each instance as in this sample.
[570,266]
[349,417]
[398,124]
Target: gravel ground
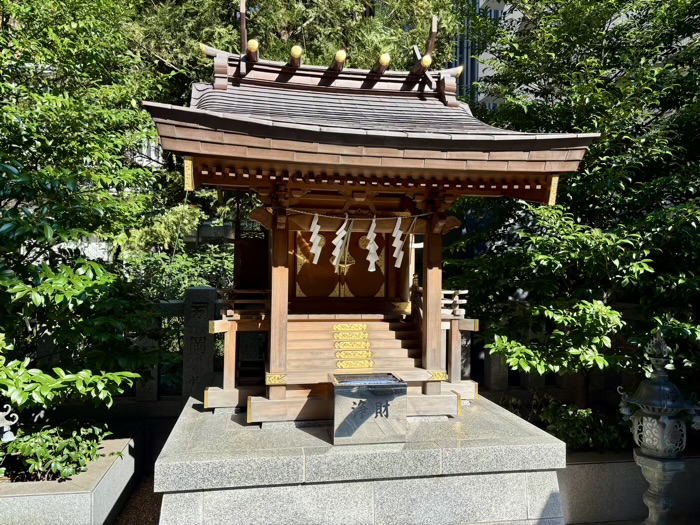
[143,506]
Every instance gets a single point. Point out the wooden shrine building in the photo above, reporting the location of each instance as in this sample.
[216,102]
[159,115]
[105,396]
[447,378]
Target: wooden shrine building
[368,159]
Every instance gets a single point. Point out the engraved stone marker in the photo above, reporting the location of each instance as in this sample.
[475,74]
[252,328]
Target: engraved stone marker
[369,408]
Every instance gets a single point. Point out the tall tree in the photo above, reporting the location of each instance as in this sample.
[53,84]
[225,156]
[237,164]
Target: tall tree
[169,32]
[69,129]
[582,285]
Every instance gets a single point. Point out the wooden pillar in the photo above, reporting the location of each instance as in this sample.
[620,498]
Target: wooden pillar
[432,305]
[279,306]
[230,356]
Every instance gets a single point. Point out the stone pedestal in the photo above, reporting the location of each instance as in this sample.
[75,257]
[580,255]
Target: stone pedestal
[486,466]
[659,473]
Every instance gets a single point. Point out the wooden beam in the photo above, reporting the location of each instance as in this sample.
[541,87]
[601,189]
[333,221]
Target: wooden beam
[448,404]
[432,304]
[381,64]
[219,327]
[451,223]
[244,30]
[279,304]
[215,397]
[302,222]
[230,357]
[469,325]
[295,56]
[430,45]
[421,63]
[338,62]
[309,408]
[262,217]
[467,389]
[251,52]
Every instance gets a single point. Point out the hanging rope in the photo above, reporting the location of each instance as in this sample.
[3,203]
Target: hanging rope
[374,218]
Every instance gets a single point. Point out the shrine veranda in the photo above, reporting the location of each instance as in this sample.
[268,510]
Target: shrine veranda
[351,167]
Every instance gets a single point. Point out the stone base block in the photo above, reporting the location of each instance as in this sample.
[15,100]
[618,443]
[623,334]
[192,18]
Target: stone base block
[486,466]
[488,499]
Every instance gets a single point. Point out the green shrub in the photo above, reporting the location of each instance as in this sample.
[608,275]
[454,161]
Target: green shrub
[580,429]
[51,452]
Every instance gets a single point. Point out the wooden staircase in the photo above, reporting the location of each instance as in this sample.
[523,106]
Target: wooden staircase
[352,344]
[321,345]
[339,345]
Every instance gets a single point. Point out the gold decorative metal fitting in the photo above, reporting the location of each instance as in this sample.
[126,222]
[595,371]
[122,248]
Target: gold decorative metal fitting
[352,345]
[349,327]
[437,375]
[275,379]
[353,354]
[355,364]
[189,174]
[350,335]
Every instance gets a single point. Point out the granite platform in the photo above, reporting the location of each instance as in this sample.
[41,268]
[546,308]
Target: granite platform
[486,466]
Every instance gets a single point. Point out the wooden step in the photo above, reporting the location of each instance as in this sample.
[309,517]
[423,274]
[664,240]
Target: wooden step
[363,325]
[332,353]
[346,364]
[311,377]
[369,344]
[329,335]
[344,317]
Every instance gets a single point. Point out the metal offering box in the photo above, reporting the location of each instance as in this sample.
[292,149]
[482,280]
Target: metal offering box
[369,408]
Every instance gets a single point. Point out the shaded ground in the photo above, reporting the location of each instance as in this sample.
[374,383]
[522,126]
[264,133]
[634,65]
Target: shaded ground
[143,506]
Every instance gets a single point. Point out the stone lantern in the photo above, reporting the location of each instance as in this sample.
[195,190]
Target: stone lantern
[659,429]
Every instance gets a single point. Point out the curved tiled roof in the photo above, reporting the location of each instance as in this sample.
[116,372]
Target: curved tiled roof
[352,111]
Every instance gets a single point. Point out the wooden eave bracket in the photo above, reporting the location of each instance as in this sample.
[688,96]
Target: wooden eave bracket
[262,217]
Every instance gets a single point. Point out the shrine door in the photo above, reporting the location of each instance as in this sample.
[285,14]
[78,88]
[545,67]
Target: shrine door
[324,287]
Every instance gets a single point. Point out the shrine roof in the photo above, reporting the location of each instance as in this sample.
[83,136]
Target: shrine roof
[351,106]
[330,129]
[343,110]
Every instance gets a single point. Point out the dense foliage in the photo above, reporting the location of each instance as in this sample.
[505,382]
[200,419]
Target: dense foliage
[169,32]
[580,428]
[74,176]
[584,284]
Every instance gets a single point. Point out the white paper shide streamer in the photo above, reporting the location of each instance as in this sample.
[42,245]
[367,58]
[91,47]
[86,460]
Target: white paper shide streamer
[339,242]
[372,248]
[397,243]
[315,239]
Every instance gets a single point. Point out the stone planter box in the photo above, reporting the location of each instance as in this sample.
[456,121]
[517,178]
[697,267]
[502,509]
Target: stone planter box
[599,488]
[90,498]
